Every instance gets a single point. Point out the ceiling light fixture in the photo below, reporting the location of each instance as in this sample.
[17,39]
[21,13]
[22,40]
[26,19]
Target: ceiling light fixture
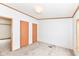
[38,8]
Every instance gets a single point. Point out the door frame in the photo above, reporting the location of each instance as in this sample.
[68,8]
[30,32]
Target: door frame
[76,35]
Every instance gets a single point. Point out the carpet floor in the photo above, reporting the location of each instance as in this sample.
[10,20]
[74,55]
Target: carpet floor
[38,49]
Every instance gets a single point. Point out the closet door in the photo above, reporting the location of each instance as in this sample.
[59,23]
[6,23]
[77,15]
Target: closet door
[24,33]
[34,33]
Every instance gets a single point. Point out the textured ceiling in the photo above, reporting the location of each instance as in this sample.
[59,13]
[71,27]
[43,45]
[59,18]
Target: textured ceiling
[50,10]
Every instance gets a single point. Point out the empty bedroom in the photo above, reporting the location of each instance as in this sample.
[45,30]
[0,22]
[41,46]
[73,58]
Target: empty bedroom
[39,29]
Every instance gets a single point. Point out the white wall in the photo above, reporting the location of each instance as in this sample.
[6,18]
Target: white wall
[57,32]
[16,17]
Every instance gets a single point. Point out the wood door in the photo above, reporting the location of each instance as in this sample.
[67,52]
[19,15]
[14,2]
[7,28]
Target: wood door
[34,33]
[24,33]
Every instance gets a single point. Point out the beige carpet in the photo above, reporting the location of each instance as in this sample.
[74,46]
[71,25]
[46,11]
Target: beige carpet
[38,49]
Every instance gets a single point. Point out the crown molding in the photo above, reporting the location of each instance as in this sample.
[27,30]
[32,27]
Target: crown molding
[75,11]
[18,10]
[54,18]
[41,18]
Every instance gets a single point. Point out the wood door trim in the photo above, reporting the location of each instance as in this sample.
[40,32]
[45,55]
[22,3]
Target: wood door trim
[76,35]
